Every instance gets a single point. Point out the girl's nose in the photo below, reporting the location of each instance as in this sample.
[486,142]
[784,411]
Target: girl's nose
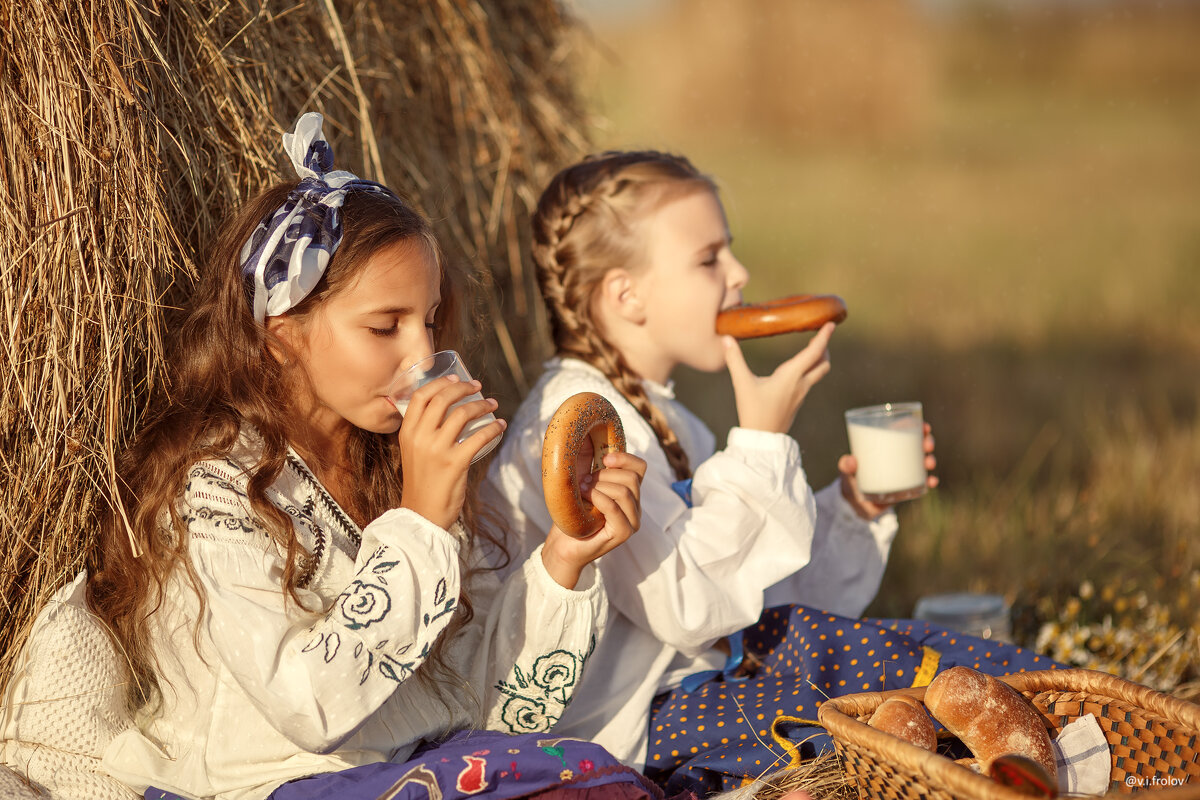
[738,275]
[417,351]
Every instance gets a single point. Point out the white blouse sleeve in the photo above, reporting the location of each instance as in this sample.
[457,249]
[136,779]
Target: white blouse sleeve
[315,673]
[849,555]
[693,575]
[537,637]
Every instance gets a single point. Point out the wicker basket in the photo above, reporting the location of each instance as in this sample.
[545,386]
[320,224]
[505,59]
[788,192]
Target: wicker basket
[1154,739]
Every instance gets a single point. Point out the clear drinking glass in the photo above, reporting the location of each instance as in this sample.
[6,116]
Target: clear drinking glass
[430,368]
[888,443]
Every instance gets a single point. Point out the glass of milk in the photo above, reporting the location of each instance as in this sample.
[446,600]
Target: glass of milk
[430,368]
[888,443]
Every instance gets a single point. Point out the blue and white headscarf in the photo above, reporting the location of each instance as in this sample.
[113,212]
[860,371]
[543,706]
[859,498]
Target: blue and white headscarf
[288,251]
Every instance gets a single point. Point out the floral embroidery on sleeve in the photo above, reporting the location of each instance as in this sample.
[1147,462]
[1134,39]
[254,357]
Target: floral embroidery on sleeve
[365,604]
[536,701]
[556,672]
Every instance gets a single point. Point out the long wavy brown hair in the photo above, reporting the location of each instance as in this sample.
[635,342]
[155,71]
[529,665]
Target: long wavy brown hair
[587,223]
[222,377]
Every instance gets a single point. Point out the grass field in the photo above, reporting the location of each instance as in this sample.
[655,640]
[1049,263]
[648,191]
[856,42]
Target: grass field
[1010,206]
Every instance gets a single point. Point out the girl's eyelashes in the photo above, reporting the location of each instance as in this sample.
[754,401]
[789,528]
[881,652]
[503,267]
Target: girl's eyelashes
[392,331]
[394,328]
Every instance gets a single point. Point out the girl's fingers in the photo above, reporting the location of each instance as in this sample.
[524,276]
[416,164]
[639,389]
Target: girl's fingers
[623,496]
[422,395]
[735,361]
[615,481]
[823,336]
[621,477]
[439,404]
[460,416]
[930,458]
[432,424]
[586,482]
[607,508]
[822,368]
[432,400]
[848,465]
[815,353]
[624,470]
[617,524]
[477,440]
[626,461]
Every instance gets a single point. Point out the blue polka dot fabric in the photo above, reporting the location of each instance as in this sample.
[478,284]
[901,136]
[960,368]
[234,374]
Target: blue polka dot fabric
[726,732]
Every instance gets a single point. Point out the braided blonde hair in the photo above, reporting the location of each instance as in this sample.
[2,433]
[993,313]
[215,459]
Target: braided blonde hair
[587,223]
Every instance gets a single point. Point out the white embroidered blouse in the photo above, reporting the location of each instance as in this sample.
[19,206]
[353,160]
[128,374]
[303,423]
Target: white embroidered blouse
[277,691]
[754,537]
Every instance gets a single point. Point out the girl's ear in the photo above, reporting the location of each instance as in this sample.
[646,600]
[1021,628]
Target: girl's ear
[282,337]
[621,294]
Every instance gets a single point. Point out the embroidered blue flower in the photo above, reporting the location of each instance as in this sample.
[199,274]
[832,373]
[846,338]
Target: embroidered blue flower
[363,604]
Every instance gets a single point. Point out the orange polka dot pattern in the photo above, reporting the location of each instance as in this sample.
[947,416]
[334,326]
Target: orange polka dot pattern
[713,738]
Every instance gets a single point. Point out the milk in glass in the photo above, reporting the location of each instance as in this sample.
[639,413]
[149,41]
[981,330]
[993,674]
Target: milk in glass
[888,443]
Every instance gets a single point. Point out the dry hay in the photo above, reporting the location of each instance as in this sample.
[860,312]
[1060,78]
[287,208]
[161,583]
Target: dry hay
[130,127]
[822,777]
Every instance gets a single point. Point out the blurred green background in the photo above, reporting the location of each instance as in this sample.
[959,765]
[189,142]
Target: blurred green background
[1007,196]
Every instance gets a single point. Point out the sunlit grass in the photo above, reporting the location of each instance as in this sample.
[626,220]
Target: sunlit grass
[1019,247]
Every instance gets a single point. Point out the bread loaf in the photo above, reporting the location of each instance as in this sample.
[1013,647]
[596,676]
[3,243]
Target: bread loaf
[904,717]
[990,717]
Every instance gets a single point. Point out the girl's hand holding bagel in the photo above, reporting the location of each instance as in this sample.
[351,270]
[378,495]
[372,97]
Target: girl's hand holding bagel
[594,502]
[429,437]
[616,494]
[770,402]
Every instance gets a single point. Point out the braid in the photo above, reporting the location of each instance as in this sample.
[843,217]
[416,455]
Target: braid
[567,198]
[613,365]
[584,226]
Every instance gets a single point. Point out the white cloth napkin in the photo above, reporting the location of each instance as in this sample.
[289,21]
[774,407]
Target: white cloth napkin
[1084,761]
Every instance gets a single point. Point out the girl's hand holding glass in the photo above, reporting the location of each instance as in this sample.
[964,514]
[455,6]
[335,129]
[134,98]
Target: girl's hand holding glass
[615,491]
[848,467]
[429,436]
[429,369]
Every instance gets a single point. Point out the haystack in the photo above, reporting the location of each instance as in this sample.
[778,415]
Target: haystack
[131,127]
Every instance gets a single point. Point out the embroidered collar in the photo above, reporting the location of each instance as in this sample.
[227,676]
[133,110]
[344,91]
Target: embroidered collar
[349,528]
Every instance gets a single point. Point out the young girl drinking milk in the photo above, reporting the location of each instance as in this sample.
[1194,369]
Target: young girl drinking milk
[634,263]
[287,568]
